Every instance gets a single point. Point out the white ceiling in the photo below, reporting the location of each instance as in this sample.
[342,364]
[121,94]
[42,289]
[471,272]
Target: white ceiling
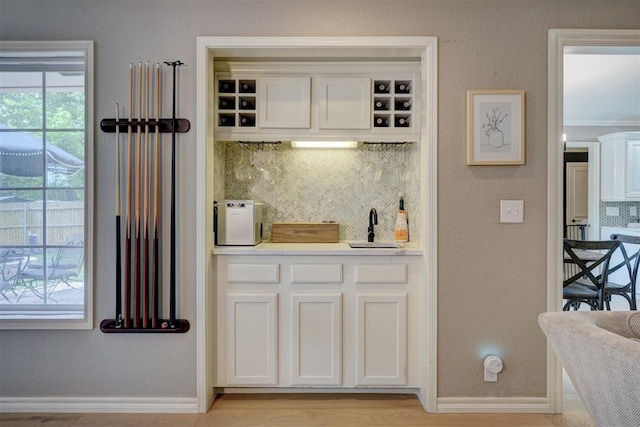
[602,88]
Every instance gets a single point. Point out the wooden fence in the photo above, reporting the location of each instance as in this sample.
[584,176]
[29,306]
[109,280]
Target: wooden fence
[22,223]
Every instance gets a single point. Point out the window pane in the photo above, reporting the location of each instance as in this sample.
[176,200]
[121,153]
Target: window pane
[20,217]
[65,159]
[65,218]
[65,100]
[21,158]
[21,100]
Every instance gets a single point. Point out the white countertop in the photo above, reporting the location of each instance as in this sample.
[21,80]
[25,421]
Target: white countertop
[342,248]
[606,231]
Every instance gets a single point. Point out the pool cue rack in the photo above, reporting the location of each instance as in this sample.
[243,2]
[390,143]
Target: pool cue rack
[139,287]
[164,125]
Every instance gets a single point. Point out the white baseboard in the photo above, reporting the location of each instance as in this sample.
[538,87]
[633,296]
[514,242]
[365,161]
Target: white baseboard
[152,405]
[315,390]
[492,405]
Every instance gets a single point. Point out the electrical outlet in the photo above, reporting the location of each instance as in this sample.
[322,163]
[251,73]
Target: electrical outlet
[612,211]
[633,211]
[511,211]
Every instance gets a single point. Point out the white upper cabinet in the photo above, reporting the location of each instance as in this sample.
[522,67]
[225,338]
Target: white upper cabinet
[344,102]
[363,101]
[285,102]
[620,166]
[633,169]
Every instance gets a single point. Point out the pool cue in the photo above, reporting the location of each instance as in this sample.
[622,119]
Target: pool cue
[156,202]
[118,230]
[145,210]
[138,185]
[172,278]
[127,247]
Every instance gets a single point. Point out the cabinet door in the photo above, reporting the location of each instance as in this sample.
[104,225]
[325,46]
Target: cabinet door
[252,338]
[316,339]
[577,192]
[633,169]
[612,168]
[381,329]
[344,103]
[285,102]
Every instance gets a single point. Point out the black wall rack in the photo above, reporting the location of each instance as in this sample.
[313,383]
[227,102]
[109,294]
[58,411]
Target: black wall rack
[164,125]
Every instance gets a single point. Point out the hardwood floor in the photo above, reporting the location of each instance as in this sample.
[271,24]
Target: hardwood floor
[301,410]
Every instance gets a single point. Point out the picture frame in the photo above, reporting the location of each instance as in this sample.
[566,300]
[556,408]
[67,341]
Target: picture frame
[495,127]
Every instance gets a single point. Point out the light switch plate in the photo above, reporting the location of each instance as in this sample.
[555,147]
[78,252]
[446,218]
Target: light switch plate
[633,211]
[511,211]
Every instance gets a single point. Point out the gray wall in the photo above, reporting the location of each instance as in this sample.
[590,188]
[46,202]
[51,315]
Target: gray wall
[491,276]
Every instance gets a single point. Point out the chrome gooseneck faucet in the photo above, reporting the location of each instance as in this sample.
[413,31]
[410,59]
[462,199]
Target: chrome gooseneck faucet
[373,220]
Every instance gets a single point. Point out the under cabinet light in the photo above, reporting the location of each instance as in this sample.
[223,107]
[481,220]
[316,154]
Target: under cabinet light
[324,144]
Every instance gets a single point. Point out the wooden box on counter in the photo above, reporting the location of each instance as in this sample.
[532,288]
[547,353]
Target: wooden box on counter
[305,232]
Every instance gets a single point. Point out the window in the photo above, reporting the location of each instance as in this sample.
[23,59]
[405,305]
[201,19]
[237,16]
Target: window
[46,146]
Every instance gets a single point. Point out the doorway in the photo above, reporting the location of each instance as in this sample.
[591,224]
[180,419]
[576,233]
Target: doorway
[559,41]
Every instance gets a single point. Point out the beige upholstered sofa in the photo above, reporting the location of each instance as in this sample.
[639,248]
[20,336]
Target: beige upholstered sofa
[601,354]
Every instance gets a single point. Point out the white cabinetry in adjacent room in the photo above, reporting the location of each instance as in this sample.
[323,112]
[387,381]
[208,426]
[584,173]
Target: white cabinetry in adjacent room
[633,168]
[620,166]
[344,102]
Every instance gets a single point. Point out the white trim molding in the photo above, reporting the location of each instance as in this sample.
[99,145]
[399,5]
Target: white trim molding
[557,41]
[61,319]
[155,405]
[493,405]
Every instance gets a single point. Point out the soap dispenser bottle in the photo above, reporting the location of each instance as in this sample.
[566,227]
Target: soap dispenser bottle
[401,229]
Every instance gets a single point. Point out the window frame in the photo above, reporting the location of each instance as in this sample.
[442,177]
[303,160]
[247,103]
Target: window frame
[86,321]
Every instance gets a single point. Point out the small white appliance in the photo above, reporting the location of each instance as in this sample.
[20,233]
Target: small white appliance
[238,222]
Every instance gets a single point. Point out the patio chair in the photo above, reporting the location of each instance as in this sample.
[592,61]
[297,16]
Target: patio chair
[11,264]
[65,265]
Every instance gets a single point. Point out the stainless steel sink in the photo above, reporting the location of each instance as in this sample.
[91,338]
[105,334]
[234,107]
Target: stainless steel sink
[375,245]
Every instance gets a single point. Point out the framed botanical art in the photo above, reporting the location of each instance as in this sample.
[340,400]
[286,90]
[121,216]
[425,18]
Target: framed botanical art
[495,127]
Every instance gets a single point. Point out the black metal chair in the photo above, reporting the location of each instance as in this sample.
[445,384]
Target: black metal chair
[11,264]
[575,231]
[630,263]
[592,260]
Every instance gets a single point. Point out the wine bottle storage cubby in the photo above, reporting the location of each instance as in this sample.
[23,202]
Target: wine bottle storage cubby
[392,103]
[236,101]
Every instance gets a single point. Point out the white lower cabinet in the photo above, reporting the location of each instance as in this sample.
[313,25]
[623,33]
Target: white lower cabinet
[316,339]
[252,339]
[317,322]
[381,339]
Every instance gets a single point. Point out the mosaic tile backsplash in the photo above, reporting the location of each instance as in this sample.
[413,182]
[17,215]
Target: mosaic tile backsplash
[313,185]
[621,220]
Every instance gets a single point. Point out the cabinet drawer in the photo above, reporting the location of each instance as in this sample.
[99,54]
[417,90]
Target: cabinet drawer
[316,273]
[381,273]
[253,273]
